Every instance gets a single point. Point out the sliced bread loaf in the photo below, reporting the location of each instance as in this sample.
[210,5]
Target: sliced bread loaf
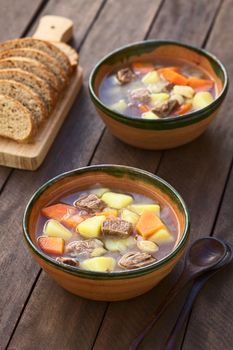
[69,51]
[38,85]
[15,120]
[24,95]
[41,57]
[34,67]
[45,46]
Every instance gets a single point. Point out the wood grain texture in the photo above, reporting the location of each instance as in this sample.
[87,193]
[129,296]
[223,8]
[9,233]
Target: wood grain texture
[73,147]
[14,254]
[186,175]
[215,331]
[14,19]
[81,12]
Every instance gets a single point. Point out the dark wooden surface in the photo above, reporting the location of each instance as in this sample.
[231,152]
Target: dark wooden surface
[37,314]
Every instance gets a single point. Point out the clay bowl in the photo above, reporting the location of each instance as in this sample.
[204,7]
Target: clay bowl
[107,285]
[163,133]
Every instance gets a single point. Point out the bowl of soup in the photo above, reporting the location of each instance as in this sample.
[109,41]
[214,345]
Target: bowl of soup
[158,94]
[106,232]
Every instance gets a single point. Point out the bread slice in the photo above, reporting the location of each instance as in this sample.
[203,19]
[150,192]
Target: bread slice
[41,57]
[42,45]
[24,95]
[32,66]
[15,120]
[70,53]
[38,85]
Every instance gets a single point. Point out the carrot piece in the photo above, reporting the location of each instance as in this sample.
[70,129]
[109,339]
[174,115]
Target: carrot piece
[174,77]
[197,83]
[51,245]
[175,69]
[184,109]
[72,221]
[57,211]
[143,68]
[148,224]
[143,108]
[108,213]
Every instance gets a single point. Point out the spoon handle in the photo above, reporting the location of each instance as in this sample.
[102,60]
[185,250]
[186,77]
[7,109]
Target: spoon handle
[184,313]
[187,308]
[181,282]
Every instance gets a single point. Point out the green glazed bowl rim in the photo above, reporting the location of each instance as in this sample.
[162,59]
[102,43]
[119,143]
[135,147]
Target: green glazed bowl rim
[115,170]
[166,123]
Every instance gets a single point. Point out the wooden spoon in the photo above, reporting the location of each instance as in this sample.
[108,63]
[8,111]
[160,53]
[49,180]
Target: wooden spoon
[187,307]
[203,255]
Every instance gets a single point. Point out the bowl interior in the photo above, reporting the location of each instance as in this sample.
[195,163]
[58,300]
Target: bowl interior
[156,50]
[124,178]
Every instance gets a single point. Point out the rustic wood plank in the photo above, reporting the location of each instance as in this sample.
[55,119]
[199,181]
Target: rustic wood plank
[215,300]
[13,251]
[81,12]
[177,166]
[215,331]
[73,147]
[15,17]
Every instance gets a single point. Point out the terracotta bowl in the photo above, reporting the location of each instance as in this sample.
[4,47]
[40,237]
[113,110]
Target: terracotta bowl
[163,133]
[107,285]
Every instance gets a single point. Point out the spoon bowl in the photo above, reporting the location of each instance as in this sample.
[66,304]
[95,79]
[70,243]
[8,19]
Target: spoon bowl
[206,253]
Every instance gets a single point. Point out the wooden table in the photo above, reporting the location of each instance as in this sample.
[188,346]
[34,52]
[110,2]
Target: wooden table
[35,313]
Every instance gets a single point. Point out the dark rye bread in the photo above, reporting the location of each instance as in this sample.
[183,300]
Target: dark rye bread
[26,96]
[38,85]
[32,66]
[41,57]
[15,120]
[42,45]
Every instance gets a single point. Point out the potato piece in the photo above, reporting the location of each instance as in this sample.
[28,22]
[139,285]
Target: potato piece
[140,208]
[202,99]
[129,216]
[149,115]
[119,245]
[119,106]
[98,252]
[53,228]
[160,97]
[91,227]
[147,246]
[151,78]
[101,264]
[117,200]
[183,90]
[161,236]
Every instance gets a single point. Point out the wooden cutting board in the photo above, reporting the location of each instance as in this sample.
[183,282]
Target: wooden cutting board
[30,156]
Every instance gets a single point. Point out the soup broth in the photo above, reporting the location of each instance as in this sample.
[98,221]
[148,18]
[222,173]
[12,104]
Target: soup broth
[106,230]
[154,90]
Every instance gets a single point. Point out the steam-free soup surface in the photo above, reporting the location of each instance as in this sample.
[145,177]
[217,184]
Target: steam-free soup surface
[153,90]
[106,230]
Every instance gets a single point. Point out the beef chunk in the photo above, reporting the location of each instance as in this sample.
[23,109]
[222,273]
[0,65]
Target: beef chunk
[168,87]
[68,261]
[163,109]
[133,260]
[83,247]
[141,95]
[90,203]
[125,75]
[117,227]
